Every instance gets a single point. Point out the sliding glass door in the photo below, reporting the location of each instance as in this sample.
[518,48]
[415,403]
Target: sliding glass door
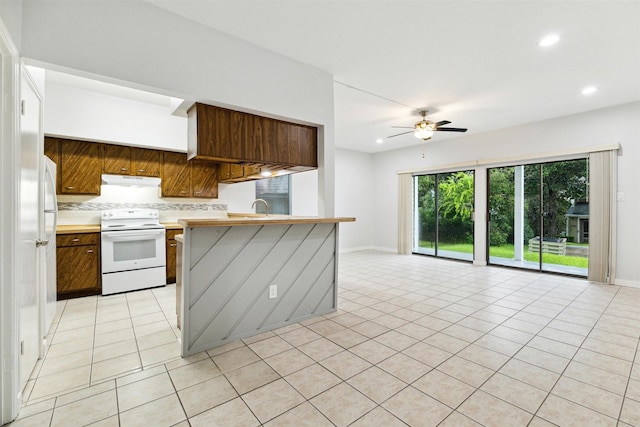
[539,216]
[443,209]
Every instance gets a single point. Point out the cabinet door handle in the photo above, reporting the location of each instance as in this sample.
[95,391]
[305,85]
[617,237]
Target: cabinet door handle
[173,245]
[198,192]
[69,188]
[75,240]
[124,169]
[90,251]
[183,191]
[142,170]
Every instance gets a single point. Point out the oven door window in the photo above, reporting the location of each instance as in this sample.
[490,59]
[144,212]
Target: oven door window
[134,250]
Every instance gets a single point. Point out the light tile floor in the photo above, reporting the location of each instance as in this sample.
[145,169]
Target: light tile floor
[416,341]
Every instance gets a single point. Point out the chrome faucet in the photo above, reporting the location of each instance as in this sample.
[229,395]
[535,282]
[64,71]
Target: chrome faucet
[266,205]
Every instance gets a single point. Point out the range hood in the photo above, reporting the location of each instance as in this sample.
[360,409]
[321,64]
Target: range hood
[131,181]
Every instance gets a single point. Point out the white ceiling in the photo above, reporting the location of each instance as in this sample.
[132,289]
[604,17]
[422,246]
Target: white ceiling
[474,63]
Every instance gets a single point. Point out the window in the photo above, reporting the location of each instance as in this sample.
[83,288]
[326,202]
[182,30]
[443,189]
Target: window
[443,208]
[539,216]
[275,191]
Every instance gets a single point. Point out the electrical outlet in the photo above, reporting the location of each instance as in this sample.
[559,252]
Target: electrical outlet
[273,291]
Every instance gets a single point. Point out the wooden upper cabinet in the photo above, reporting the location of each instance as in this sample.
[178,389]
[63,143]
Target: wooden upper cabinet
[204,179]
[116,159]
[304,150]
[176,176]
[230,172]
[52,151]
[80,167]
[146,162]
[209,135]
[229,136]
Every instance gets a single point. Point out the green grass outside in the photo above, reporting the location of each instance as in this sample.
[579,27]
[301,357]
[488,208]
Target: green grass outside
[506,251]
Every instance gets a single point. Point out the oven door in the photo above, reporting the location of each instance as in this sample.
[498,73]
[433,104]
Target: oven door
[132,250]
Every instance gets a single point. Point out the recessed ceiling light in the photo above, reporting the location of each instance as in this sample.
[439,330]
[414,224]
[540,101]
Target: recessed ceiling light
[379,140]
[589,90]
[549,40]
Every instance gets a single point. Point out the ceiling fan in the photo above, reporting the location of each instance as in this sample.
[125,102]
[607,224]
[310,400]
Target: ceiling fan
[424,128]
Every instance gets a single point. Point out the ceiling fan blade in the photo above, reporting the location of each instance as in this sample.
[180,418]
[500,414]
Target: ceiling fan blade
[442,122]
[403,127]
[398,134]
[451,129]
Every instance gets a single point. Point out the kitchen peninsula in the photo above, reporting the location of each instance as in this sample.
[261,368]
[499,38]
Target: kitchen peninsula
[247,274]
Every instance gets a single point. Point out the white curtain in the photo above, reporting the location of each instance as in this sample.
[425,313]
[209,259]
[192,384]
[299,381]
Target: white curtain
[602,216]
[405,213]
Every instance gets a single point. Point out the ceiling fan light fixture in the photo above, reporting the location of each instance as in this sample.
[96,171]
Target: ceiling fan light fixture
[423,132]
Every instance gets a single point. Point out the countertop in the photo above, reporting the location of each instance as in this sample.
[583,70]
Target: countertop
[172,225]
[73,229]
[257,219]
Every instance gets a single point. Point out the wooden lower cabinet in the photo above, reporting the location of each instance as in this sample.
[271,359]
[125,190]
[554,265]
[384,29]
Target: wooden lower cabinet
[171,245]
[78,265]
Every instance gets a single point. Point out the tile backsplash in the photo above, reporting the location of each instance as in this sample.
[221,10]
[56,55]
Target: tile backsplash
[87,209]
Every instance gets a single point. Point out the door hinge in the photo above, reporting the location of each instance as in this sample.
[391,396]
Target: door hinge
[22,348]
[22,107]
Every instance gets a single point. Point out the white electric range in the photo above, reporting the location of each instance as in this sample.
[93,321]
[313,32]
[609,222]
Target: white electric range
[133,250]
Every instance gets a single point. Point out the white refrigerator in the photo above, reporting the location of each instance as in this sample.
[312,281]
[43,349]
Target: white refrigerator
[47,231]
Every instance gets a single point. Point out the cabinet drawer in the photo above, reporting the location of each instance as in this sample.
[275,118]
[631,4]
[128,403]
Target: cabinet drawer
[78,239]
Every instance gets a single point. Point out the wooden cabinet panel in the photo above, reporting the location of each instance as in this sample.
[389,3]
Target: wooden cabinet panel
[171,245]
[304,149]
[80,167]
[269,130]
[80,239]
[204,179]
[221,142]
[78,265]
[253,137]
[146,162]
[230,172]
[52,151]
[237,137]
[283,146]
[176,177]
[116,159]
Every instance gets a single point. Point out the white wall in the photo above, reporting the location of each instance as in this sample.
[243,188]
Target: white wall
[303,201]
[355,193]
[86,115]
[618,124]
[238,196]
[145,47]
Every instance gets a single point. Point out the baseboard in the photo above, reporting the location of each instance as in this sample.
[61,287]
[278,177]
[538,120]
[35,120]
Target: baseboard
[358,249]
[627,283]
[368,248]
[383,249]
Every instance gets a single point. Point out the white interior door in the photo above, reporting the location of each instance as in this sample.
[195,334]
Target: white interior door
[28,274]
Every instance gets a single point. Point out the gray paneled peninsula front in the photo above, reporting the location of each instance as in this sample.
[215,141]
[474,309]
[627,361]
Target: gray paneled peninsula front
[244,275]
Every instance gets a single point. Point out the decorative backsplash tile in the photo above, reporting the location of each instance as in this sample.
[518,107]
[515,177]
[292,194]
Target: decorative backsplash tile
[93,206]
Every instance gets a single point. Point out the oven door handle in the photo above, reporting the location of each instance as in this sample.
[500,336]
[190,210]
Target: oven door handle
[131,235]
